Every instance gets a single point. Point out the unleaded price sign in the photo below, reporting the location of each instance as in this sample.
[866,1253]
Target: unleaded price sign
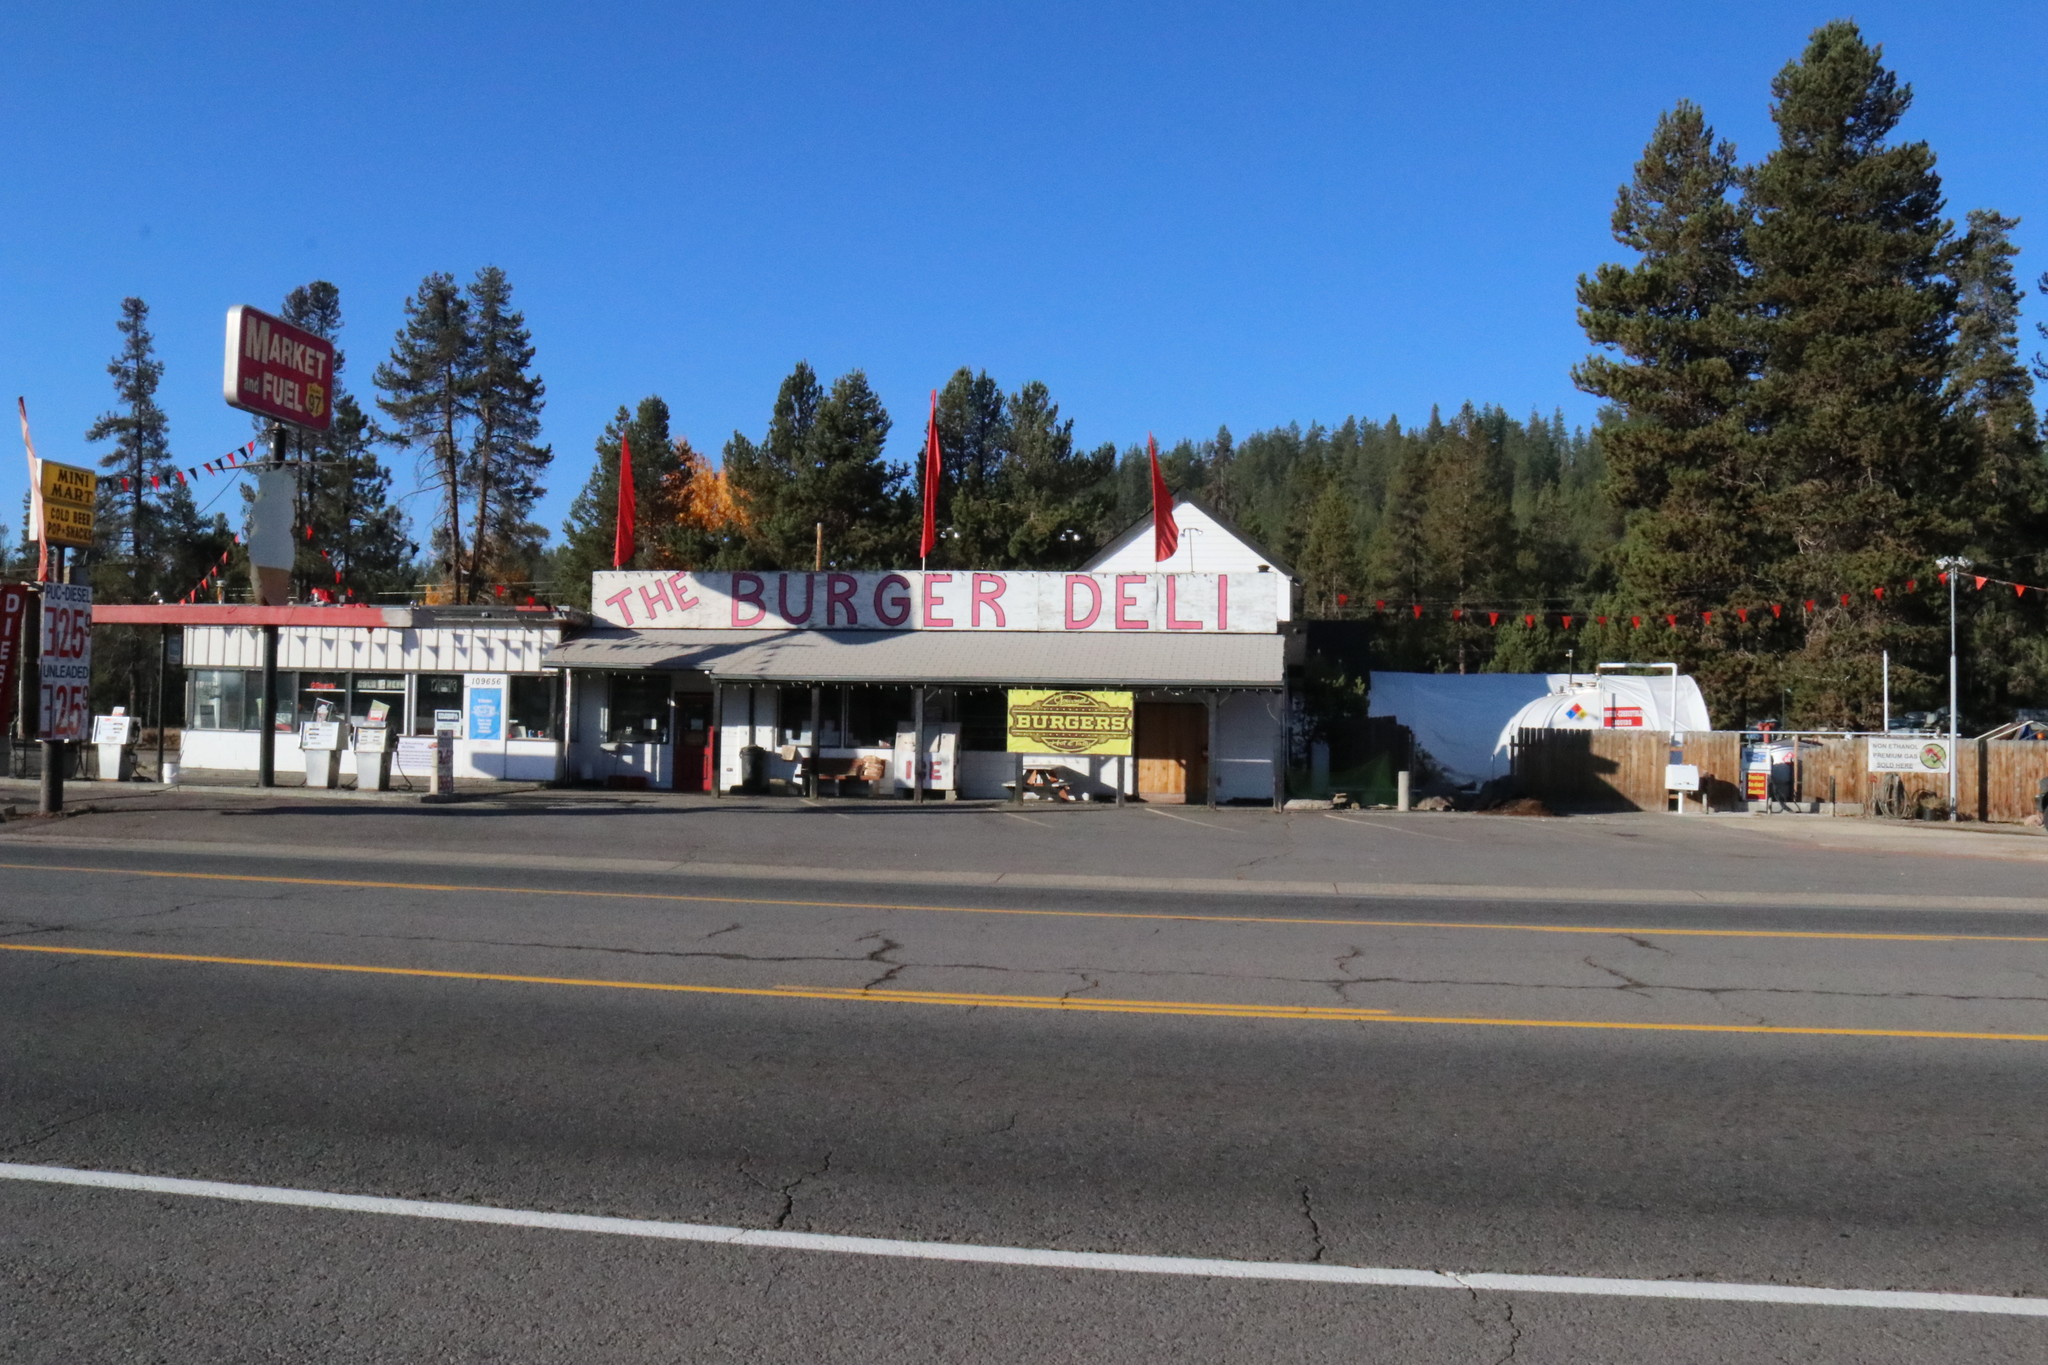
[65,661]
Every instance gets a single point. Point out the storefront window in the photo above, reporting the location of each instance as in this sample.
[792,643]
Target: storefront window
[982,719]
[793,715]
[287,701]
[433,692]
[873,713]
[378,699]
[638,712]
[322,696]
[220,700]
[531,707]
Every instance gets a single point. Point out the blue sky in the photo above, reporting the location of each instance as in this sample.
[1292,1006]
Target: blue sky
[1177,216]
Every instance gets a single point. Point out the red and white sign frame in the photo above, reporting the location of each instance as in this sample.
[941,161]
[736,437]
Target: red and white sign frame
[277,370]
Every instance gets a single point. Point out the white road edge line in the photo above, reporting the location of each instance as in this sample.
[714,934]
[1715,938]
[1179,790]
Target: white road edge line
[1696,1290]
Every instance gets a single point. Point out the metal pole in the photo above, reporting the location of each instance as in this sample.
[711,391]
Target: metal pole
[717,740]
[1209,757]
[266,732]
[817,727]
[1952,719]
[51,791]
[917,749]
[1886,656]
[163,665]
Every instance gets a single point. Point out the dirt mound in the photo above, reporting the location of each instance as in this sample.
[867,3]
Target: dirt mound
[1521,805]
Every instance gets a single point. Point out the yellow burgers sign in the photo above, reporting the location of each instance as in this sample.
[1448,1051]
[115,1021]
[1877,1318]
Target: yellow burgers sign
[1070,722]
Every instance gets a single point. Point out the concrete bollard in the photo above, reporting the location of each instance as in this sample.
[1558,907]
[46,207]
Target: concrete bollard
[1401,790]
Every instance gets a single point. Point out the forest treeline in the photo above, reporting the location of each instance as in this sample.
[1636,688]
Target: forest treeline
[1813,391]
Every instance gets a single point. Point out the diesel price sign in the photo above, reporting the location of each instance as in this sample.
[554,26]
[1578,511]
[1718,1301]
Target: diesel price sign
[277,370]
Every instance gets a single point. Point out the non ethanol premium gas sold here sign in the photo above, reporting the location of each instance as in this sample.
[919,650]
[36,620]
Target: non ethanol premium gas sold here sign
[277,370]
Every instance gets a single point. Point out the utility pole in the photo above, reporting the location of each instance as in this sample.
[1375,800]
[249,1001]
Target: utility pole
[1952,565]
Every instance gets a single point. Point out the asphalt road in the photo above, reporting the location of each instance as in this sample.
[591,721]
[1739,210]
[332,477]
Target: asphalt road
[1799,1094]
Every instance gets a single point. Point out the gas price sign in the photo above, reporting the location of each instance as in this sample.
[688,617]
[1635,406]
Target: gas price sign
[65,661]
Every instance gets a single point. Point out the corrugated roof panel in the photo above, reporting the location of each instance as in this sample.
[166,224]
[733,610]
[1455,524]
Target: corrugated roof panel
[962,658]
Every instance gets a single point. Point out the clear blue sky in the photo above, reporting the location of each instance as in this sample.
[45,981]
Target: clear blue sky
[1177,216]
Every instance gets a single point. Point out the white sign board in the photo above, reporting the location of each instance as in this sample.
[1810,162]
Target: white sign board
[1681,777]
[66,660]
[1202,603]
[320,734]
[1905,754]
[415,755]
[113,729]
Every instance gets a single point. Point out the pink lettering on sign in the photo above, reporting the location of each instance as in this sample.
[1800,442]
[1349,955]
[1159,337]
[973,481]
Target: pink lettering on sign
[782,598]
[679,585]
[1075,621]
[1127,601]
[619,600]
[1173,621]
[892,610]
[839,589]
[1223,601]
[988,592]
[932,619]
[657,591]
[748,590]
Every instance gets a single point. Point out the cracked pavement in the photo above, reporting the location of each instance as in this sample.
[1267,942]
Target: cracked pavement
[1873,1162]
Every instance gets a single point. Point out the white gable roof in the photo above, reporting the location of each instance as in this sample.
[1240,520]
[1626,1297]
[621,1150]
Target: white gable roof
[1208,544]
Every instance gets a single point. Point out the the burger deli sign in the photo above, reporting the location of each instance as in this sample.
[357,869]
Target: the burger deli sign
[1231,603]
[278,371]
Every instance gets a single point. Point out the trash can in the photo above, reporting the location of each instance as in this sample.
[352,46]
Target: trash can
[372,748]
[754,770]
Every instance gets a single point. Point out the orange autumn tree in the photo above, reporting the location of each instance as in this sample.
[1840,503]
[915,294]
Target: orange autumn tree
[695,515]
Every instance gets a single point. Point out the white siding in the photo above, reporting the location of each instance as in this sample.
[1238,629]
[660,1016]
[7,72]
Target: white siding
[438,649]
[1205,547]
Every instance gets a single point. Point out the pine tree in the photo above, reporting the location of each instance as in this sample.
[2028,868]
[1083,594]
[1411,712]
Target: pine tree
[1055,498]
[1854,311]
[700,526]
[765,477]
[130,523]
[974,441]
[1681,374]
[1330,565]
[863,502]
[428,392]
[589,534]
[503,465]
[358,542]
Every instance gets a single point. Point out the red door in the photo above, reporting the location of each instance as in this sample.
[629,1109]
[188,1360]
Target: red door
[695,745]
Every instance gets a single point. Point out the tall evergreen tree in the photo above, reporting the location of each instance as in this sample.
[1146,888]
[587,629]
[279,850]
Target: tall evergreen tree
[503,465]
[1330,566]
[345,492]
[1854,309]
[1055,498]
[428,393]
[974,441]
[588,536]
[130,522]
[821,465]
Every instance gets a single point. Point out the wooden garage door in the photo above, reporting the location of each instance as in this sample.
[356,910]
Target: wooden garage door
[1173,751]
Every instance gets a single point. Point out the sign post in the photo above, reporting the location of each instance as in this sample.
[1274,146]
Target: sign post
[64,678]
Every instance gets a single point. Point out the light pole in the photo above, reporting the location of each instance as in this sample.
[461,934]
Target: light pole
[1952,565]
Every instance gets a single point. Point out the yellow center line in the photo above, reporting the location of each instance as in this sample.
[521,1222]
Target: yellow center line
[1081,1004]
[1180,917]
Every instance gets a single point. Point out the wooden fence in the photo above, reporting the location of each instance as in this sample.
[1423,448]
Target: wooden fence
[1996,780]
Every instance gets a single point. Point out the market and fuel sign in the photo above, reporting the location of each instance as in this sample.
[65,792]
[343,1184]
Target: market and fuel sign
[277,370]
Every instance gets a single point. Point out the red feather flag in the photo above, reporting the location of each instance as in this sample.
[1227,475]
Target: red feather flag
[622,534]
[1165,531]
[933,459]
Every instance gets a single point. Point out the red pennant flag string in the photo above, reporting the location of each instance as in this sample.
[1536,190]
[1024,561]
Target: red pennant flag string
[1567,623]
[1845,599]
[1529,622]
[309,532]
[1670,620]
[153,482]
[1777,610]
[1942,578]
[1912,585]
[1742,615]
[1493,618]
[1981,580]
[2019,590]
[1457,613]
[1418,611]
[1809,604]
[1878,593]
[1601,619]
[1635,623]
[1379,604]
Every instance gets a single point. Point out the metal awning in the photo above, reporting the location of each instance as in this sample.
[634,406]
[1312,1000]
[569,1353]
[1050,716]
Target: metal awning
[941,658]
